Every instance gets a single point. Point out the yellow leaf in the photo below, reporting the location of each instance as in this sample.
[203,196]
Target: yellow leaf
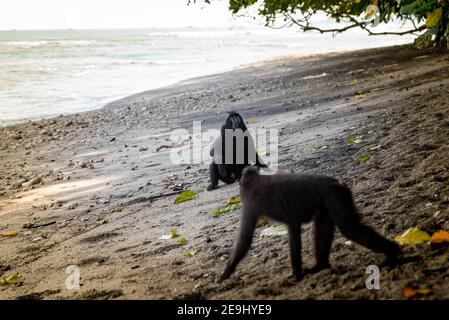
[12,279]
[278,230]
[172,234]
[191,253]
[413,293]
[262,221]
[412,236]
[182,241]
[434,17]
[185,196]
[439,237]
[9,234]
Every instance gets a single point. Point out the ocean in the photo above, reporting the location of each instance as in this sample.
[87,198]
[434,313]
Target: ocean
[49,73]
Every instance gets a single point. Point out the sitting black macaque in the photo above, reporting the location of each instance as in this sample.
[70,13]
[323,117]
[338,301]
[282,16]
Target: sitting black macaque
[231,171]
[294,199]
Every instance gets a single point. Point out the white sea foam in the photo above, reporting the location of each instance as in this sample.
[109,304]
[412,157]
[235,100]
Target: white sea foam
[47,73]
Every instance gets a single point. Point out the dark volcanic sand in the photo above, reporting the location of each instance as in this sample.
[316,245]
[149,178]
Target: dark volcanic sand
[83,191]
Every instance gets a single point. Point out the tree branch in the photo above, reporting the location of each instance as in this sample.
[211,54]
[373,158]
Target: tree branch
[305,26]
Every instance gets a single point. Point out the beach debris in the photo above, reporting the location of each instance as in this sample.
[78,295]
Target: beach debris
[233,200]
[323,147]
[164,146]
[31,225]
[112,139]
[354,140]
[181,241]
[178,187]
[252,120]
[191,253]
[411,293]
[8,234]
[229,205]
[315,76]
[185,196]
[117,209]
[146,199]
[262,221]
[278,230]
[359,138]
[12,279]
[226,209]
[439,238]
[373,148]
[171,235]
[35,181]
[363,158]
[412,236]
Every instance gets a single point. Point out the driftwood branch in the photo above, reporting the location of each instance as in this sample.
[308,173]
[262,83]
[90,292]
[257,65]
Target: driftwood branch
[146,199]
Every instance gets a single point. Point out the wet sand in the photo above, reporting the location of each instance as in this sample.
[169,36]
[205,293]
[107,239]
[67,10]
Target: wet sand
[75,188]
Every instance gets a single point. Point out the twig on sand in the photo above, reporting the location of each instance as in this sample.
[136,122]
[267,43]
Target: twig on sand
[146,199]
[32,225]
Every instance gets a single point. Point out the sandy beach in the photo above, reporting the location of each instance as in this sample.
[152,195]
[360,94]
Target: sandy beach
[76,188]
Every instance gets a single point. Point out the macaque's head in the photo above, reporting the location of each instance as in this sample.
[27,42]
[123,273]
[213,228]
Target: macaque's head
[250,172]
[235,121]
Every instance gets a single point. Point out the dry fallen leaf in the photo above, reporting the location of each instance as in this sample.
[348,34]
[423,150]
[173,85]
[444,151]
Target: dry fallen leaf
[440,237]
[412,236]
[278,230]
[262,221]
[410,293]
[182,241]
[13,279]
[172,234]
[191,253]
[115,210]
[8,234]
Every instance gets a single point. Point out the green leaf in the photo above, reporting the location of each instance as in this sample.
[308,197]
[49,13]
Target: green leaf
[434,17]
[226,209]
[185,196]
[364,158]
[412,236]
[409,8]
[191,253]
[181,241]
[271,231]
[172,234]
[12,279]
[233,201]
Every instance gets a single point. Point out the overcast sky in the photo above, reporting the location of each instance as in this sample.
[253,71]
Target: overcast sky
[82,14]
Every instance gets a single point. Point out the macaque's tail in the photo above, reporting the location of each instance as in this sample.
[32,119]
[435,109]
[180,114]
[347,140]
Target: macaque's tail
[343,211]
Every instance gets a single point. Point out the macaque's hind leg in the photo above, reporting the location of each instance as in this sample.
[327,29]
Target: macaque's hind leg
[247,225]
[213,171]
[294,237]
[323,231]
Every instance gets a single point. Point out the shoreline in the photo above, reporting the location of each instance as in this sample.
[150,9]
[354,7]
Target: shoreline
[74,187]
[215,73]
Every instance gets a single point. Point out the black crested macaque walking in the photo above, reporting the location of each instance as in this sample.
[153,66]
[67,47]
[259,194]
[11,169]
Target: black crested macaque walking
[295,199]
[230,170]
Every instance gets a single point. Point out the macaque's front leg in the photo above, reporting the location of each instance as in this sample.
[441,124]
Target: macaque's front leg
[294,235]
